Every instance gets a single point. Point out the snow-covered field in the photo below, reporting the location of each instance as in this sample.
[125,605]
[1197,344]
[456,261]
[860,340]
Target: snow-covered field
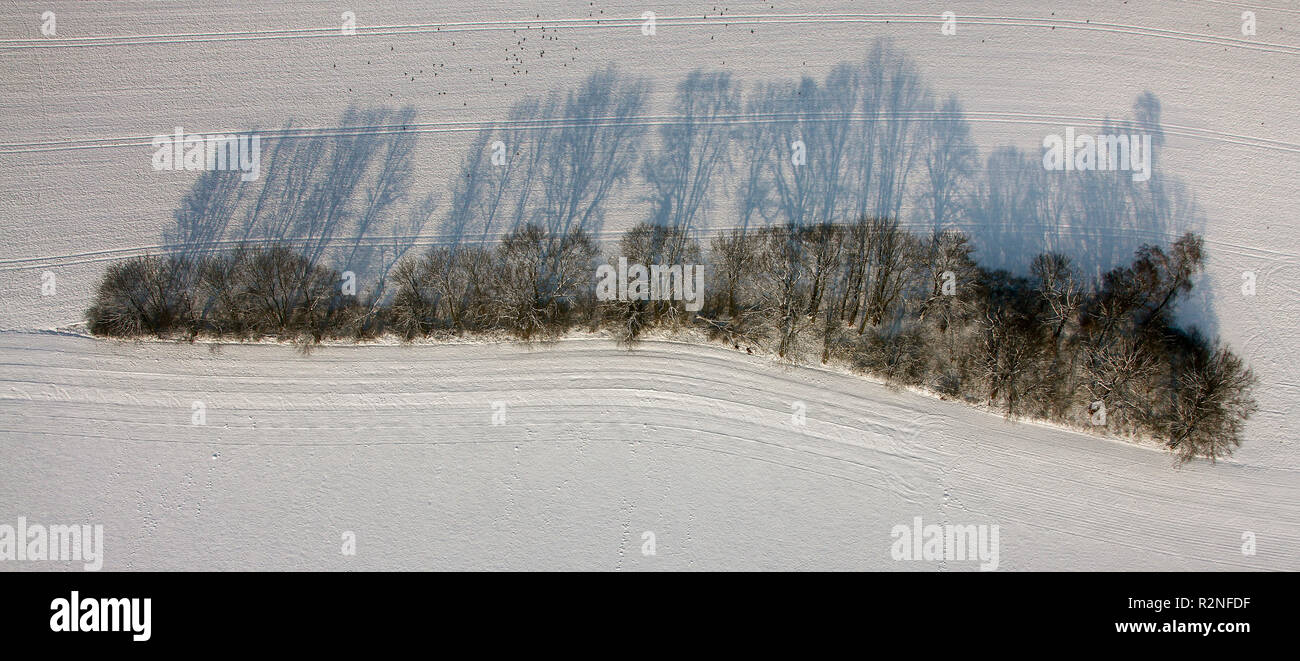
[596,446]
[396,443]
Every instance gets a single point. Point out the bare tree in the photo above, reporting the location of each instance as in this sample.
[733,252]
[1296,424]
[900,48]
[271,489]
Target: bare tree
[542,277]
[1211,405]
[1059,290]
[281,292]
[1163,276]
[390,256]
[821,245]
[142,295]
[1120,375]
[782,300]
[949,274]
[732,256]
[650,244]
[1006,356]
[414,308]
[887,267]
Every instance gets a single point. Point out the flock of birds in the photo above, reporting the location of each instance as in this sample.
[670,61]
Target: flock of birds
[517,56]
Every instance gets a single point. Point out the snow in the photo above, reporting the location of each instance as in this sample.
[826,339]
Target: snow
[599,444]
[395,443]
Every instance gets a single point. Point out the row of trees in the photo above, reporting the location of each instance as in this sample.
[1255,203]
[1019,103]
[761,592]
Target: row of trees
[869,140]
[248,293]
[913,308]
[852,210]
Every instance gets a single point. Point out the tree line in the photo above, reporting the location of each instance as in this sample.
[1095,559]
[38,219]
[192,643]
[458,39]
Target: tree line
[839,220]
[915,309]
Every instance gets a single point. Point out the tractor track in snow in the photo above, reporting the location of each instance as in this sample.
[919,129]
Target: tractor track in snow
[1064,499]
[635,23]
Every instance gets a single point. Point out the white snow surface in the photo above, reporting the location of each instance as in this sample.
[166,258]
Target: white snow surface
[599,445]
[395,443]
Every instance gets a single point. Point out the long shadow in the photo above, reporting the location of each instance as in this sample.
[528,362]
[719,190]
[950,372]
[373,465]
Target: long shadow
[852,149]
[1098,218]
[330,196]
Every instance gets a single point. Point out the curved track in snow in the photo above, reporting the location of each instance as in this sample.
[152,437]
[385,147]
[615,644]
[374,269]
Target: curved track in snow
[599,445]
